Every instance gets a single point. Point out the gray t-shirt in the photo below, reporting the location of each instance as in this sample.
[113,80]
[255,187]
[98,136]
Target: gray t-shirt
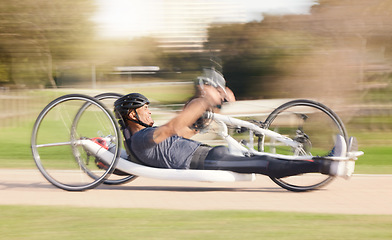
[174,152]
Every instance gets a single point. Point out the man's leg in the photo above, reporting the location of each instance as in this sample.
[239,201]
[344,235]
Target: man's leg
[219,158]
[265,165]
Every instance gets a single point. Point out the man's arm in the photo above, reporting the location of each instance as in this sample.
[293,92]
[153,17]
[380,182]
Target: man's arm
[187,132]
[180,124]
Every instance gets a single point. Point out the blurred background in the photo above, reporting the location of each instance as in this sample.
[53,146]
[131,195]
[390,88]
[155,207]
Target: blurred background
[336,52]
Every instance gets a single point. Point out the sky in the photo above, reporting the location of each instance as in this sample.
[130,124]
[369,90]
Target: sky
[132,18]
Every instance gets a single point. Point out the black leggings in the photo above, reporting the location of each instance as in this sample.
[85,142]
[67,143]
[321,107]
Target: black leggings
[219,158]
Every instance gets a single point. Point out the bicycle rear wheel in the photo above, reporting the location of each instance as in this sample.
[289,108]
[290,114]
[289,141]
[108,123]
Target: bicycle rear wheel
[55,141]
[312,124]
[114,179]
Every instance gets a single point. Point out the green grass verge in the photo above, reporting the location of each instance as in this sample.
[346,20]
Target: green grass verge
[15,150]
[376,160]
[25,222]
[15,141]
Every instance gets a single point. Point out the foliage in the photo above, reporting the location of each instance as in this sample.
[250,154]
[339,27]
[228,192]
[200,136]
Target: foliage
[307,55]
[254,56]
[15,149]
[340,43]
[36,34]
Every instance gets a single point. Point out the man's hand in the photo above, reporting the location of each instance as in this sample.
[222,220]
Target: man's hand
[229,95]
[213,95]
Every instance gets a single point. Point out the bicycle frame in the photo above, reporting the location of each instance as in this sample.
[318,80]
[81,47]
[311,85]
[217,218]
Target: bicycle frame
[202,175]
[165,173]
[207,175]
[237,148]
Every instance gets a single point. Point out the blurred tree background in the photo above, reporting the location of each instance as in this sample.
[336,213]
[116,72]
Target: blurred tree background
[37,35]
[342,49]
[339,52]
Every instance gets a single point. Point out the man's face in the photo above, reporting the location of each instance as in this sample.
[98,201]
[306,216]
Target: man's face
[144,115]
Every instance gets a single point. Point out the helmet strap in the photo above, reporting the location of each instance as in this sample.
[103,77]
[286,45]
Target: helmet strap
[138,121]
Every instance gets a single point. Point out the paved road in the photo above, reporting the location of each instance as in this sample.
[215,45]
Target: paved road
[362,194]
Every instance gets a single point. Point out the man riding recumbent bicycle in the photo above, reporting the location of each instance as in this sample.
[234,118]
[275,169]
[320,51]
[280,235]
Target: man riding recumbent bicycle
[302,145]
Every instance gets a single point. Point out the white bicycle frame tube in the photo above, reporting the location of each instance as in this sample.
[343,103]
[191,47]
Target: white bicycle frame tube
[164,173]
[236,148]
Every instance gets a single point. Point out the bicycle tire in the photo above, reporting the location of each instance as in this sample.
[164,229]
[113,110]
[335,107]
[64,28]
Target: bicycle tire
[53,170]
[309,109]
[130,177]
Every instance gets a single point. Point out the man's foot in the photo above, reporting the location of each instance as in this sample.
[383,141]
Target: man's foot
[352,145]
[341,168]
[340,148]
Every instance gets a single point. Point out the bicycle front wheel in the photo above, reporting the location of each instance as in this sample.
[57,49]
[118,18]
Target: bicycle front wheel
[312,124]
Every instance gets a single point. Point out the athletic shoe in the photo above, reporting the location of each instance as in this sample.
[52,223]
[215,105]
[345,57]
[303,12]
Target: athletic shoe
[340,148]
[352,145]
[341,168]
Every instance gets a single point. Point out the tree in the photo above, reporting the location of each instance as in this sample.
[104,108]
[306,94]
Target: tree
[36,34]
[255,56]
[322,55]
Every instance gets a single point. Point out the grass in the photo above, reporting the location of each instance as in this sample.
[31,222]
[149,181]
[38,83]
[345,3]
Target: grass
[25,222]
[43,222]
[15,147]
[377,159]
[15,141]
[15,150]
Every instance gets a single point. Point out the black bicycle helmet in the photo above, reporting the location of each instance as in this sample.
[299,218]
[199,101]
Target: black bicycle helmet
[130,101]
[127,103]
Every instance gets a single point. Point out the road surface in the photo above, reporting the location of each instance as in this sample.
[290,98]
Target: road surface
[362,194]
